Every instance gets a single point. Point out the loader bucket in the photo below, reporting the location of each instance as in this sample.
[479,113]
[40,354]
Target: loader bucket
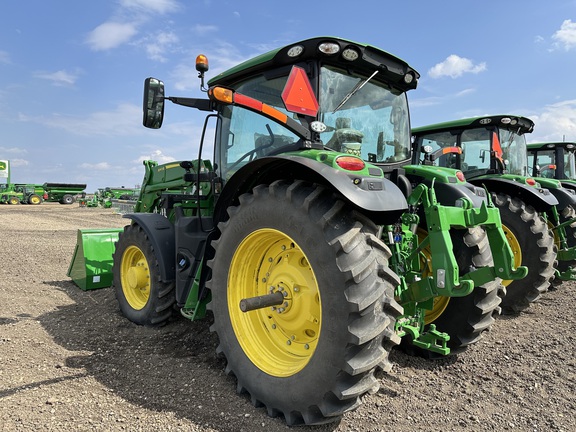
[91,266]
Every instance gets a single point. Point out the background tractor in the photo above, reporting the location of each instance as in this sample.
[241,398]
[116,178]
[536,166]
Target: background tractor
[536,213]
[307,253]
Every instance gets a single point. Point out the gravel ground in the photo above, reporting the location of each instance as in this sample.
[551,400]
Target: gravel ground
[70,362]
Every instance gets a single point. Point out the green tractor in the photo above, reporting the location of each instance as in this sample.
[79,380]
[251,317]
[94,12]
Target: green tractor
[11,193]
[314,254]
[556,160]
[536,213]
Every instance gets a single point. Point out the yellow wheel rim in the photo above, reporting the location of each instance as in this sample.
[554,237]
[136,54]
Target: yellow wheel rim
[135,277]
[35,200]
[440,303]
[555,233]
[279,340]
[516,250]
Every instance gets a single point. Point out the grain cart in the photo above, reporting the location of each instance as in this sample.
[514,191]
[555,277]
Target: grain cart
[491,150]
[64,193]
[306,255]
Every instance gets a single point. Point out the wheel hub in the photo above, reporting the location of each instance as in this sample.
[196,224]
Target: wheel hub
[280,339]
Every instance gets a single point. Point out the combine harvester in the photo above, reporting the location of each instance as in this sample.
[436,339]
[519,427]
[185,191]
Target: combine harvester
[313,251]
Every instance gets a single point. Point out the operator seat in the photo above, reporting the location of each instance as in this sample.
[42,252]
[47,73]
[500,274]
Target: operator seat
[345,139]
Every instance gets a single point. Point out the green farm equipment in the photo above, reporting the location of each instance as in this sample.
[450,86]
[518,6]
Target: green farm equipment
[11,193]
[314,254]
[63,193]
[555,160]
[536,213]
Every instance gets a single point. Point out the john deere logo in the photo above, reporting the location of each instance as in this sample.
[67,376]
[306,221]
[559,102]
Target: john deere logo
[3,166]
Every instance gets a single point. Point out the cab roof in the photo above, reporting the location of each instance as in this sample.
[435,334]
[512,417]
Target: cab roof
[553,144]
[369,59]
[505,121]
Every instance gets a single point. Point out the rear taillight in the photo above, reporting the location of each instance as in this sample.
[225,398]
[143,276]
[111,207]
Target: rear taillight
[530,181]
[350,163]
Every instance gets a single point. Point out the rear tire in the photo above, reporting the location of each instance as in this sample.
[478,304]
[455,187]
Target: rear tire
[313,360]
[533,246]
[143,298]
[67,199]
[34,199]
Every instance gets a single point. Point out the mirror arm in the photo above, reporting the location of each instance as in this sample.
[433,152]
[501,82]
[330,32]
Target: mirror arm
[200,104]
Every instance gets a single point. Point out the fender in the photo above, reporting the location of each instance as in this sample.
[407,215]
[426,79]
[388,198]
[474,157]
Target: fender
[160,232]
[448,193]
[539,198]
[375,196]
[565,196]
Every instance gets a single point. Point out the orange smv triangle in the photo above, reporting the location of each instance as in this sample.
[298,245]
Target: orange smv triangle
[298,95]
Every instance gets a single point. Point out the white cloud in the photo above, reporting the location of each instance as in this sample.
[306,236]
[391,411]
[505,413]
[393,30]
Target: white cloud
[555,123]
[110,35]
[161,43]
[12,150]
[155,155]
[455,66]
[59,78]
[18,163]
[149,6]
[566,36]
[101,166]
[125,120]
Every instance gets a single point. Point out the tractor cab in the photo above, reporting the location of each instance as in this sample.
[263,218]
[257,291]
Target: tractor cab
[553,160]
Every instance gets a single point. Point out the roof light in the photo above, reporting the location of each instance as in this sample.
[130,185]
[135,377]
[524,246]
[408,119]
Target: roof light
[505,120]
[329,48]
[202,63]
[409,77]
[569,146]
[550,145]
[295,51]
[350,54]
[350,163]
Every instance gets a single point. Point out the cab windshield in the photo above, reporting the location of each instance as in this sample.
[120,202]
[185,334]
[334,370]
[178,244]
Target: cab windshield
[372,122]
[514,152]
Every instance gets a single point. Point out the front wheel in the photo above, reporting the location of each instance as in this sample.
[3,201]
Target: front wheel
[312,356]
[13,200]
[466,318]
[142,296]
[533,246]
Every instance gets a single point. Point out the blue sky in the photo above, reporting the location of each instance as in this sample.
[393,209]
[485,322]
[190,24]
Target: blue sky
[72,72]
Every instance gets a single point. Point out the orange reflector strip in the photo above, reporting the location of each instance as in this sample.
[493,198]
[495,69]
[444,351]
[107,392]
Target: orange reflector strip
[274,113]
[451,150]
[298,95]
[249,102]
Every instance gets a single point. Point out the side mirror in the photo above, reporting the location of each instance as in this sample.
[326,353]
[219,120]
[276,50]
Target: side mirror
[153,106]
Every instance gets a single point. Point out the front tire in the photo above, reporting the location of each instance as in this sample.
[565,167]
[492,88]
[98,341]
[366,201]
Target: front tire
[533,246]
[142,296]
[313,357]
[466,318]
